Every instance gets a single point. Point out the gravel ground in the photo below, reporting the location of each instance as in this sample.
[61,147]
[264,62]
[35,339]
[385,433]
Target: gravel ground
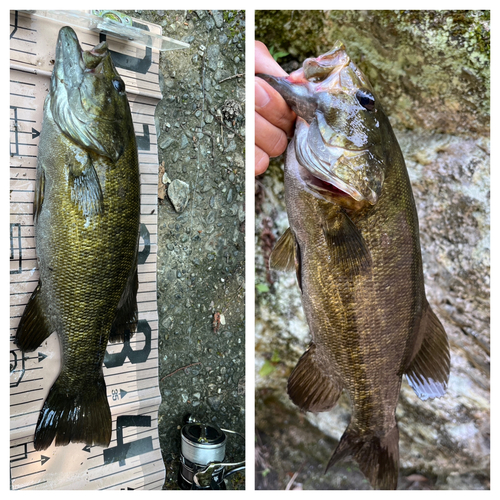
[201,224]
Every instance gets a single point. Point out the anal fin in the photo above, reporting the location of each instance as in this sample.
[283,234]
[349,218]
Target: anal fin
[34,327]
[310,387]
[429,370]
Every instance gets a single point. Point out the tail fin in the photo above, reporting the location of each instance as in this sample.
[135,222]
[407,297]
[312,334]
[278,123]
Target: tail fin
[378,457]
[82,417]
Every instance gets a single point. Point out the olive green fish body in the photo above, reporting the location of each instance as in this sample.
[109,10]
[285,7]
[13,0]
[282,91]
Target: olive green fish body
[354,243]
[87,209]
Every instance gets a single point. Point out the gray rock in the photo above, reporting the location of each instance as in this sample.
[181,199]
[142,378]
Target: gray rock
[166,141]
[184,142]
[218,18]
[178,194]
[215,401]
[189,271]
[213,56]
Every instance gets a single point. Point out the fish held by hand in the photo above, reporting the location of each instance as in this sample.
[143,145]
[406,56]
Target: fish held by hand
[353,242]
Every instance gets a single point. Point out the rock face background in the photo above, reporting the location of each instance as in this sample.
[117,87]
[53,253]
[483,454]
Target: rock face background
[201,222]
[431,71]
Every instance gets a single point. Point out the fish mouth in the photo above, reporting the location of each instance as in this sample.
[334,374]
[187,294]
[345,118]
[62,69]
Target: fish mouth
[72,62]
[329,187]
[69,65]
[339,191]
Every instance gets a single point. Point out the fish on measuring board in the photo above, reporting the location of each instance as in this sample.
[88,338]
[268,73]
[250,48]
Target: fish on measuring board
[354,243]
[86,214]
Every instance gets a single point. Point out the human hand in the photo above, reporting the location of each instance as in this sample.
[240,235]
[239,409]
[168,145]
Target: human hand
[274,120]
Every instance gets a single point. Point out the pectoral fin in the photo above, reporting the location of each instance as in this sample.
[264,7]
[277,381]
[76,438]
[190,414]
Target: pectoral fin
[85,187]
[283,255]
[429,370]
[347,245]
[310,387]
[286,255]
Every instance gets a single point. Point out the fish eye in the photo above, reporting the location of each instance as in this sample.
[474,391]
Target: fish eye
[366,100]
[118,84]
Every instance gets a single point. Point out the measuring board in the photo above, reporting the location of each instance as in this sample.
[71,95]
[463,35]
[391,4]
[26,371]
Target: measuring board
[133,459]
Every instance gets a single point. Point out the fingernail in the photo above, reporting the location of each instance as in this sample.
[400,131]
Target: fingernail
[261,96]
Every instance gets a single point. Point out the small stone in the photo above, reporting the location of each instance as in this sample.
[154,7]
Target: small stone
[165,142]
[218,18]
[178,193]
[215,402]
[184,142]
[213,56]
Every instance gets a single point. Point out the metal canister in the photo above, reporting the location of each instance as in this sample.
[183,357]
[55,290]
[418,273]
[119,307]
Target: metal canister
[202,445]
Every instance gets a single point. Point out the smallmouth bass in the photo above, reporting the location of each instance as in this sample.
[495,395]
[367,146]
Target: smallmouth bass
[354,243]
[86,214]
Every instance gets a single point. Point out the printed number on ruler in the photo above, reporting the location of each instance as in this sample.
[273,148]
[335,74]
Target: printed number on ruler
[122,450]
[140,356]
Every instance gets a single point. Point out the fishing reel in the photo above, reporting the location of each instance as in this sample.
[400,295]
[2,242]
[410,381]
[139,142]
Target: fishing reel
[203,449]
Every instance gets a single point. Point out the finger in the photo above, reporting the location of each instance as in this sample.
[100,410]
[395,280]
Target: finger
[271,106]
[269,138]
[261,161]
[264,62]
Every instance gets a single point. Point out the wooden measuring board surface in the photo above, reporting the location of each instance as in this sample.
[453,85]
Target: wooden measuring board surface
[133,459]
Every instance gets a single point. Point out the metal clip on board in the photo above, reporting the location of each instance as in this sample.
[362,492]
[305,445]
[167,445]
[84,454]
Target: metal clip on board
[112,23]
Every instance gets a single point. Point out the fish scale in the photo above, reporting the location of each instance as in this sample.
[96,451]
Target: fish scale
[354,243]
